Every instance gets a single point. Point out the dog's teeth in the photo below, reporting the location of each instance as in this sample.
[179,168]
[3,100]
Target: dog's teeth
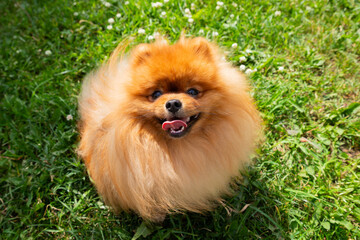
[196,115]
[188,119]
[177,131]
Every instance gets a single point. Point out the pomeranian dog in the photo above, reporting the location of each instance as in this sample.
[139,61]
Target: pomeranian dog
[166,128]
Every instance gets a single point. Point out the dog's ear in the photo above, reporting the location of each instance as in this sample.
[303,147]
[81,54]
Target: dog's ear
[202,47]
[141,53]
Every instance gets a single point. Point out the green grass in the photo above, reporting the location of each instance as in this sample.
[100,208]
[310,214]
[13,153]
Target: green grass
[305,183]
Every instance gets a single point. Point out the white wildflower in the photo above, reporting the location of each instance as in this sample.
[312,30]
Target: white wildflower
[201,31]
[234,5]
[76,14]
[156,34]
[107,4]
[18,51]
[163,14]
[111,20]
[69,117]
[281,69]
[118,15]
[255,70]
[192,6]
[219,3]
[156,4]
[309,9]
[166,1]
[232,15]
[277,13]
[215,34]
[48,52]
[150,37]
[217,7]
[126,3]
[234,45]
[190,20]
[187,11]
[109,27]
[141,31]
[242,67]
[248,51]
[248,71]
[242,59]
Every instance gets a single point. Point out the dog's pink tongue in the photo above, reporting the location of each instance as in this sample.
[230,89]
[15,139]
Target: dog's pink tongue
[176,124]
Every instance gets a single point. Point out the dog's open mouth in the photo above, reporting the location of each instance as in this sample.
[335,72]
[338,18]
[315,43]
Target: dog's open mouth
[178,127]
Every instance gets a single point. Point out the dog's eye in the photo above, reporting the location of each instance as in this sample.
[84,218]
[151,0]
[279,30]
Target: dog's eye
[192,92]
[156,94]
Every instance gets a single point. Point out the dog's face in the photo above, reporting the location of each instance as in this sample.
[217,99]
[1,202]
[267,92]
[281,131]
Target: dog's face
[174,89]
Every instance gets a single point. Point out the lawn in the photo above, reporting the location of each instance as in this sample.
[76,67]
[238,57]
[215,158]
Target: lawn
[305,180]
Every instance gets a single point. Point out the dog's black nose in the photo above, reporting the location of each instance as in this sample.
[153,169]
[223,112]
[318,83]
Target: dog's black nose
[173,105]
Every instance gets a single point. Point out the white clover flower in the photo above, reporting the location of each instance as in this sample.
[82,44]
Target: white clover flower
[18,51]
[118,15]
[242,59]
[141,31]
[219,3]
[76,14]
[255,70]
[234,4]
[188,15]
[201,31]
[48,52]
[150,38]
[111,20]
[192,6]
[109,27]
[248,71]
[242,67]
[69,117]
[281,69]
[156,4]
[248,51]
[163,14]
[107,4]
[309,9]
[187,11]
[190,20]
[156,34]
[126,3]
[232,15]
[166,1]
[234,45]
[214,34]
[277,13]
[217,7]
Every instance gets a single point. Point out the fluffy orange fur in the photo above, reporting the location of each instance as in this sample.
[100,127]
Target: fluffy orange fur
[138,166]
